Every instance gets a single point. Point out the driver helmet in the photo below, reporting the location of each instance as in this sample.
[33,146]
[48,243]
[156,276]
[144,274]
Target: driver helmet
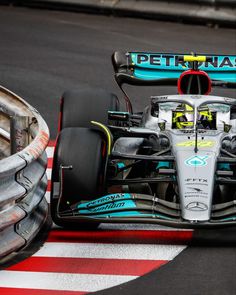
[185,119]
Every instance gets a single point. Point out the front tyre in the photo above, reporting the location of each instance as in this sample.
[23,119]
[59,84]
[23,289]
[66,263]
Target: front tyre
[83,149]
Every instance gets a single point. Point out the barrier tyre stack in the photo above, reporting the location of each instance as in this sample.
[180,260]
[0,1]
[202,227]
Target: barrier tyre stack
[24,136]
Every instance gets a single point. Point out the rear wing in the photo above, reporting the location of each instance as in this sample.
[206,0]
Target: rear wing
[159,69]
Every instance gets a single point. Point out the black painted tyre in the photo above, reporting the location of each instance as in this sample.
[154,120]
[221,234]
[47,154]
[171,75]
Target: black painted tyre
[83,149]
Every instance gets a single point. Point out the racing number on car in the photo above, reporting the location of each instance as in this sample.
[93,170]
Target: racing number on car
[201,144]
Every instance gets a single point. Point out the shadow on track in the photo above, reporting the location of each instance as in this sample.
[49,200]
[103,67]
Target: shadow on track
[215,237]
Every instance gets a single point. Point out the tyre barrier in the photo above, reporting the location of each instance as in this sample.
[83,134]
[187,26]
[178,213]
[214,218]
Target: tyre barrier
[24,136]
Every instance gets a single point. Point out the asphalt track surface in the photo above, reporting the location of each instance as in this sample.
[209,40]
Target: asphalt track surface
[42,53]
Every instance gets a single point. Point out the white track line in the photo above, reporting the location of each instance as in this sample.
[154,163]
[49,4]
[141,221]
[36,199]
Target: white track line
[60,281]
[50,151]
[49,173]
[47,196]
[110,251]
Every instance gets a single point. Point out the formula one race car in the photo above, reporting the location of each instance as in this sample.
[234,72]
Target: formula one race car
[172,164]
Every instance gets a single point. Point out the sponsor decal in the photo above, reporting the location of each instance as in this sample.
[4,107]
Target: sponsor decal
[196,161]
[195,96]
[103,200]
[195,192]
[112,202]
[161,98]
[195,189]
[201,144]
[107,207]
[168,60]
[187,131]
[227,128]
[196,180]
[229,100]
[196,206]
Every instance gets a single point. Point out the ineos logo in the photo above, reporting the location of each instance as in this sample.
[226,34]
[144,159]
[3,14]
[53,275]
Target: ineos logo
[195,189]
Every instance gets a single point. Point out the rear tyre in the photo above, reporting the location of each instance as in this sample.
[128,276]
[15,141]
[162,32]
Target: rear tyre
[83,149]
[79,108]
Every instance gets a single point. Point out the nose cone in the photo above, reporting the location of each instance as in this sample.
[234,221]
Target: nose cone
[196,183]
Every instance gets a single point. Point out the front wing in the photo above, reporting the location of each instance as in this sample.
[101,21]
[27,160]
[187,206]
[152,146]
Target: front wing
[140,208]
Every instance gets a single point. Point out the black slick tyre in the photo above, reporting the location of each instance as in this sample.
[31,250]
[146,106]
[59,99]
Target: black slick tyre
[83,149]
[80,107]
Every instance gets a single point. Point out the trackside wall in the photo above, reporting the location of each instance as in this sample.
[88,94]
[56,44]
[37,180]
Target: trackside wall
[222,12]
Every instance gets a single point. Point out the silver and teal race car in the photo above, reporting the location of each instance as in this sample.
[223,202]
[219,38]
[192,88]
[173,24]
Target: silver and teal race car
[174,163]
